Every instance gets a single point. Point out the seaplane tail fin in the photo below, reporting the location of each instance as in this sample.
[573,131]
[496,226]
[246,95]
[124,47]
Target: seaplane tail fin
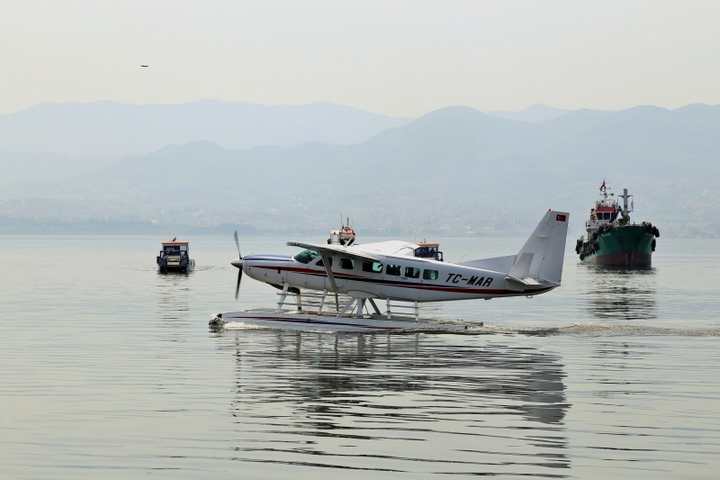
[541,258]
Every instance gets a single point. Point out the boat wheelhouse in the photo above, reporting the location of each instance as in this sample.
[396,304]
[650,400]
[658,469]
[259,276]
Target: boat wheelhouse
[345,235]
[607,210]
[175,257]
[429,250]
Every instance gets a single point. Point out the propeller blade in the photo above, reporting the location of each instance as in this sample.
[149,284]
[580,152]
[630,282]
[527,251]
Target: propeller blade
[237,244]
[237,264]
[237,287]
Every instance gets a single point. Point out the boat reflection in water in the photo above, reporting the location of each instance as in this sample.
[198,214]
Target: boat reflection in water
[420,404]
[621,294]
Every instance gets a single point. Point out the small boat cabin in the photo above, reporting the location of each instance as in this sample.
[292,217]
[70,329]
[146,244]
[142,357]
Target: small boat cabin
[429,250]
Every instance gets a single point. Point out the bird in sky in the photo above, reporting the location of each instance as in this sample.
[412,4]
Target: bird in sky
[144,66]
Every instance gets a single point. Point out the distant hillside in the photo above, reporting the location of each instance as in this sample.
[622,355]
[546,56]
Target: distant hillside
[532,114]
[454,171]
[115,129]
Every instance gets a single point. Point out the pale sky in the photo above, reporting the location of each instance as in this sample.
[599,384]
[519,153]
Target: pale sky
[390,56]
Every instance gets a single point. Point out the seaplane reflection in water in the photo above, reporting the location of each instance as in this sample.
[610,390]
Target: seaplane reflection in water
[340,286]
[386,403]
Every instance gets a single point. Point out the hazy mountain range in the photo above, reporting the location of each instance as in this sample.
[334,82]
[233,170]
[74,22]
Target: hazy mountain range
[454,171]
[116,129]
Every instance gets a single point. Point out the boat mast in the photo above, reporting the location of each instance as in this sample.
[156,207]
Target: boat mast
[626,210]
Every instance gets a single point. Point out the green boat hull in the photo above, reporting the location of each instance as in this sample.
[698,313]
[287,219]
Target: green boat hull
[629,246]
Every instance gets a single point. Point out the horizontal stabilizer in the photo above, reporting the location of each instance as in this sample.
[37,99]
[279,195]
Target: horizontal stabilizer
[496,264]
[523,282]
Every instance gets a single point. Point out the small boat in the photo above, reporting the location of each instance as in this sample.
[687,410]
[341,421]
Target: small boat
[611,240]
[175,257]
[345,235]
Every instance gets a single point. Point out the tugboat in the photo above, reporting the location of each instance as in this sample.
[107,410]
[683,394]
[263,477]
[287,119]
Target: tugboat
[175,257]
[611,239]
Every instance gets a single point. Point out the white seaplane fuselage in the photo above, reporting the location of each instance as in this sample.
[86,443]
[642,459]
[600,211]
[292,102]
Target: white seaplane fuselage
[421,280]
[390,270]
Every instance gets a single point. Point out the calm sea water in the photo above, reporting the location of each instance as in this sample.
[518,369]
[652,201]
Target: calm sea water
[109,370]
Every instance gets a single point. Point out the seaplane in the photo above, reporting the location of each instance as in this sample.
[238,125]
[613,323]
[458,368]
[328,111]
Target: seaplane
[344,285]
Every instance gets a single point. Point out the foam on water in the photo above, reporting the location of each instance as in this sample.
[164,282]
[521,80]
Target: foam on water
[636,330]
[466,328]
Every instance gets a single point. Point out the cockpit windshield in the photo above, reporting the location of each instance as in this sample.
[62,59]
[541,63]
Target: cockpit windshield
[306,256]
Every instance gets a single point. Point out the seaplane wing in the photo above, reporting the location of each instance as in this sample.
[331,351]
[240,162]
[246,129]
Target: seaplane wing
[333,250]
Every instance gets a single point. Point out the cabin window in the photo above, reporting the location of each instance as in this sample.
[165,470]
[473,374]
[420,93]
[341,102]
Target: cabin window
[306,256]
[320,262]
[430,274]
[393,269]
[412,272]
[347,264]
[372,267]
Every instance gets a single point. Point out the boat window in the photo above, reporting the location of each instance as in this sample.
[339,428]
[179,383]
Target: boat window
[391,269]
[306,256]
[372,267]
[346,264]
[412,272]
[430,274]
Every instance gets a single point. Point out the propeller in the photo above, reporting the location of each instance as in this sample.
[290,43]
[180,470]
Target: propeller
[238,264]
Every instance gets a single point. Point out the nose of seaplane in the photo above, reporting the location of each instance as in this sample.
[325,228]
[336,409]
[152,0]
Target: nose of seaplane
[262,267]
[266,268]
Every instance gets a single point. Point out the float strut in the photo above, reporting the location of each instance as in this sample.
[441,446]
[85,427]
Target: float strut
[374,306]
